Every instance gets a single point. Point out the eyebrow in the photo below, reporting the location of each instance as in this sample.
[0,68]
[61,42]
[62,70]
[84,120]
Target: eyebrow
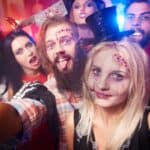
[48,41]
[119,71]
[147,12]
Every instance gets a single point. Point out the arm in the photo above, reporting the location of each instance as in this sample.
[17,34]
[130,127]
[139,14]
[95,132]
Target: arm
[69,130]
[26,22]
[56,9]
[20,116]
[10,122]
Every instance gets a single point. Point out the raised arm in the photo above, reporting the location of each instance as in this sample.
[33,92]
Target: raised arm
[26,22]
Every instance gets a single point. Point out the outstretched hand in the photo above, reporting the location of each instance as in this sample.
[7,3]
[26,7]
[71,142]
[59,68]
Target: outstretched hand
[34,90]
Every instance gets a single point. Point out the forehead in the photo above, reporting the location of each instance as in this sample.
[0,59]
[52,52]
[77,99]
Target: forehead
[105,59]
[19,41]
[83,1]
[138,8]
[57,31]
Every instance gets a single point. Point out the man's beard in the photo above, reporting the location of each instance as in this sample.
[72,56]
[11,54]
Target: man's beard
[71,80]
[144,40]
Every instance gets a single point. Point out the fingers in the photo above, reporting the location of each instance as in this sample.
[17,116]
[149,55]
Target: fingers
[27,87]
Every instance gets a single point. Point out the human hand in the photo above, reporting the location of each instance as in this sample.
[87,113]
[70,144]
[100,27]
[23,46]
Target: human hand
[108,3]
[12,22]
[30,90]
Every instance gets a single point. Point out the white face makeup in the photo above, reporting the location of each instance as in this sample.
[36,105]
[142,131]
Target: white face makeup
[109,79]
[60,46]
[25,53]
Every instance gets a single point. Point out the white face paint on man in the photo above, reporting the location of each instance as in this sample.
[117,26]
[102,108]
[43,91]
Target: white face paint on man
[60,46]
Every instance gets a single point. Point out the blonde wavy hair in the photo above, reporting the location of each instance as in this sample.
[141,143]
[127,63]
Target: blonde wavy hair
[50,23]
[138,93]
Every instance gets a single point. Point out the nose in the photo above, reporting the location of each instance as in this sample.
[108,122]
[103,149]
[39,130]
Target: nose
[29,52]
[136,22]
[102,84]
[60,50]
[82,8]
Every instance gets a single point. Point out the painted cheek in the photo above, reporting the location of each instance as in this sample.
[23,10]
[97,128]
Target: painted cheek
[91,83]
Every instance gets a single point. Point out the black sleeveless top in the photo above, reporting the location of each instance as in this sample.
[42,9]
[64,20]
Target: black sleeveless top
[139,141]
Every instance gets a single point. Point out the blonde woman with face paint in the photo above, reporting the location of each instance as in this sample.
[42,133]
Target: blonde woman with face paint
[114,114]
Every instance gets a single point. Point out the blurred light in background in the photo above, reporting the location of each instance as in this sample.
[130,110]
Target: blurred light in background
[120,15]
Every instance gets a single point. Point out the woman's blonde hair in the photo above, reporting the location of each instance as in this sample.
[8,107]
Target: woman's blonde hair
[138,93]
[51,22]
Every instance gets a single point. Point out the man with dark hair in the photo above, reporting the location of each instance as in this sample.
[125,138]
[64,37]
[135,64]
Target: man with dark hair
[137,18]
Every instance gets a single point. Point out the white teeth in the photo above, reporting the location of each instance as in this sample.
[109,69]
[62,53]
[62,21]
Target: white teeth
[61,59]
[136,33]
[82,15]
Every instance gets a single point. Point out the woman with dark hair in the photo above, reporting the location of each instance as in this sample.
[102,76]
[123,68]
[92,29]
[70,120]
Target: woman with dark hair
[3,81]
[78,11]
[98,4]
[22,63]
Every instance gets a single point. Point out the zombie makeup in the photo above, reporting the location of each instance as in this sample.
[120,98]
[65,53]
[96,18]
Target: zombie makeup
[120,60]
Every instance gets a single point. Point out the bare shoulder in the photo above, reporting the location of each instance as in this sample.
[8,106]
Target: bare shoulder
[149,120]
[69,130]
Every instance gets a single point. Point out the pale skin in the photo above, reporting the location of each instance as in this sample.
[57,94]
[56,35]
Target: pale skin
[25,53]
[109,83]
[60,45]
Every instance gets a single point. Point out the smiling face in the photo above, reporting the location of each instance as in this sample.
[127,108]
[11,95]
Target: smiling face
[25,53]
[81,9]
[109,79]
[138,19]
[60,46]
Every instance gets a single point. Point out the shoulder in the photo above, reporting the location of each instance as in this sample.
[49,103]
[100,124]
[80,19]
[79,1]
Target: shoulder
[147,116]
[149,120]
[51,83]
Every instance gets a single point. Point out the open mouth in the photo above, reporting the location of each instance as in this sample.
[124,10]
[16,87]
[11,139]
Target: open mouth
[82,15]
[137,33]
[62,62]
[136,36]
[62,58]
[34,61]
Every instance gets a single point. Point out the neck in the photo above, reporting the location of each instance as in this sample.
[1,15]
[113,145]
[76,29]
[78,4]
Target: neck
[31,72]
[108,116]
